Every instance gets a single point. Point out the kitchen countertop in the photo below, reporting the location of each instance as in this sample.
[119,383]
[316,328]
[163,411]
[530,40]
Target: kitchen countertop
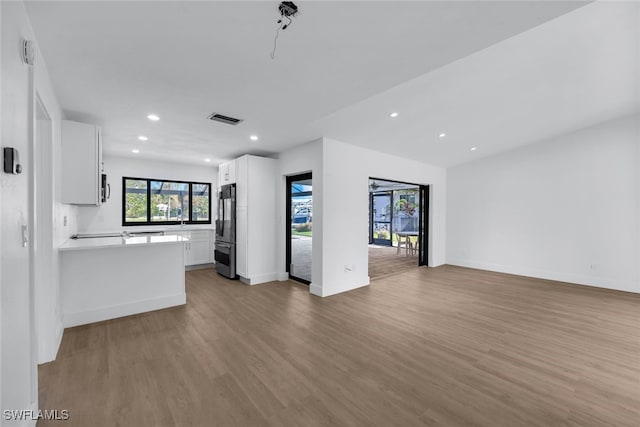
[112,242]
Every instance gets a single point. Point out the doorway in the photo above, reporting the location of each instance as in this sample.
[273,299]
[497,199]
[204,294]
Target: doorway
[398,226]
[45,292]
[299,227]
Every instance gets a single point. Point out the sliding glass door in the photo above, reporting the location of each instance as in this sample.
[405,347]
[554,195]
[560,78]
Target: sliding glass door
[423,226]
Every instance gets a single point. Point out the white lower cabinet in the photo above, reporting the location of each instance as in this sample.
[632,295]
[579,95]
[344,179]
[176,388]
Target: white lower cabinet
[197,250]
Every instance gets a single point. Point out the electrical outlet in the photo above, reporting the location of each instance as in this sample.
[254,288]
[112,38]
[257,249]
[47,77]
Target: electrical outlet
[64,221]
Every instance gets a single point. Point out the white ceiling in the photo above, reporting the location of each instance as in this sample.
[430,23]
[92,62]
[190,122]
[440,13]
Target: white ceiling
[339,70]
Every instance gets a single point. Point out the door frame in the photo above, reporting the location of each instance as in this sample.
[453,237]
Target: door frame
[372,240]
[423,221]
[288,219]
[423,225]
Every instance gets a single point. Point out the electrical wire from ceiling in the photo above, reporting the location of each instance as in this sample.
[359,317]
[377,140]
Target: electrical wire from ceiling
[275,40]
[287,10]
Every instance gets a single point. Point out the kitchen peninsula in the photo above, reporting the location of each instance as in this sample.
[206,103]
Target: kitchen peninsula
[109,277]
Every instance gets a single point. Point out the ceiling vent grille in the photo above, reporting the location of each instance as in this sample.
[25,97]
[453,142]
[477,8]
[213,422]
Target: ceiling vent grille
[224,119]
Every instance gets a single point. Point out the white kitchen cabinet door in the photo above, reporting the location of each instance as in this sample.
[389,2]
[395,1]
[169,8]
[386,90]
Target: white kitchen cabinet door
[200,247]
[242,253]
[243,181]
[185,244]
[227,173]
[81,163]
[255,219]
[199,252]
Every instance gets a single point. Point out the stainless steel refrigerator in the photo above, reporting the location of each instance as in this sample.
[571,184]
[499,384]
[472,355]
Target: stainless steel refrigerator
[225,252]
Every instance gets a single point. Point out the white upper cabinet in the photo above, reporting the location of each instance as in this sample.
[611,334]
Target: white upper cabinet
[82,165]
[227,173]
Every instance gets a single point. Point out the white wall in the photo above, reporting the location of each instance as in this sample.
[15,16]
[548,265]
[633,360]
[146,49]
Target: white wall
[1,287]
[47,292]
[565,209]
[298,160]
[108,217]
[347,169]
[18,346]
[341,208]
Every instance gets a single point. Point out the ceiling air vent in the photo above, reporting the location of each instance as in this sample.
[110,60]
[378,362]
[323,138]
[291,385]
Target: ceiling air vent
[224,119]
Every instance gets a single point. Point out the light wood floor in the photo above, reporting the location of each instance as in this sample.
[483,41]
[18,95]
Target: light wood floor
[437,347]
[385,261]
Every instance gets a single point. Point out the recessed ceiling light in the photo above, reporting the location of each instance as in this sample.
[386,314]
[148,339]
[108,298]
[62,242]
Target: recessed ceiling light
[153,117]
[143,138]
[442,135]
[253,137]
[393,115]
[135,151]
[207,160]
[474,148]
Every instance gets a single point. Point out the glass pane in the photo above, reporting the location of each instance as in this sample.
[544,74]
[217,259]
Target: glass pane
[405,210]
[382,208]
[169,201]
[381,231]
[135,200]
[200,202]
[301,229]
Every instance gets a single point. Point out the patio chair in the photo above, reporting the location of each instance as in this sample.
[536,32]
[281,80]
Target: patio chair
[414,247]
[404,241]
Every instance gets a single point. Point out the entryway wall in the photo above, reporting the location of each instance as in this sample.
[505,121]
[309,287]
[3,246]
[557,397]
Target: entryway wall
[19,353]
[340,182]
[347,169]
[302,159]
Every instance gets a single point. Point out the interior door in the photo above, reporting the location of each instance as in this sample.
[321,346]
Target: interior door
[381,218]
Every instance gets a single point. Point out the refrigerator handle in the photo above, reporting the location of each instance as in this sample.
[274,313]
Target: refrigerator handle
[223,212]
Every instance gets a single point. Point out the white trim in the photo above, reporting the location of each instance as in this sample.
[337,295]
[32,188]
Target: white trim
[315,290]
[121,310]
[282,276]
[58,340]
[260,278]
[576,279]
[31,423]
[320,291]
[199,266]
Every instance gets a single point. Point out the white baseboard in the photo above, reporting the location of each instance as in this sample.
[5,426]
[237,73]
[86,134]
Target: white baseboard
[198,267]
[283,277]
[321,292]
[59,334]
[256,279]
[121,310]
[315,290]
[28,422]
[576,279]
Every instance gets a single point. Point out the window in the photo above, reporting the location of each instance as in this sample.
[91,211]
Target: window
[201,206]
[135,202]
[160,202]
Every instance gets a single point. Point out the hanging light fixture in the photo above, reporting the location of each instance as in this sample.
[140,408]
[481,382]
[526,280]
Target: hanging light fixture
[287,10]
